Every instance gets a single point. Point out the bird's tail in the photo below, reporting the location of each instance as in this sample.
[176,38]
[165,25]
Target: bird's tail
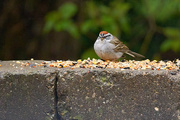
[134,54]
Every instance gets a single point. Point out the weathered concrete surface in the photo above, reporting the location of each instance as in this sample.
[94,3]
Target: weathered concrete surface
[26,93]
[119,95]
[38,93]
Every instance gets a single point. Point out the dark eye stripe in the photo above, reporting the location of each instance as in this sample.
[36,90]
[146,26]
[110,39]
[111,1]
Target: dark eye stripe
[106,36]
[101,36]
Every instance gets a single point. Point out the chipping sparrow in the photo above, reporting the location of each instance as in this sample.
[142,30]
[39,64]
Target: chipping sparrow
[108,47]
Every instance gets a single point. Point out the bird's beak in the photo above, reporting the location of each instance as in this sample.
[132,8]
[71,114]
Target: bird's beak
[102,39]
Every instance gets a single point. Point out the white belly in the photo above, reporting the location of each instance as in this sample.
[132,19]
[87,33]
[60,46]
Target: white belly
[105,50]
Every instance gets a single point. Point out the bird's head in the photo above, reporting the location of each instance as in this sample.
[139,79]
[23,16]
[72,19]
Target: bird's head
[104,35]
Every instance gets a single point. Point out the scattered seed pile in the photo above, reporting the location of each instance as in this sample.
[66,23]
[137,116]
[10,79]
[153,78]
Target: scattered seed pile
[124,64]
[97,63]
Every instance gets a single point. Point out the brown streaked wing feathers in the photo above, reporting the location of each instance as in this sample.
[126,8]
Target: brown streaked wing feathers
[120,47]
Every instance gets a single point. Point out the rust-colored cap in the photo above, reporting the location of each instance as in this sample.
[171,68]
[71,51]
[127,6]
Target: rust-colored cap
[103,32]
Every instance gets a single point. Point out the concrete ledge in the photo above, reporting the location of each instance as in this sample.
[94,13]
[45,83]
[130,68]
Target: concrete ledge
[84,94]
[25,97]
[113,94]
[26,93]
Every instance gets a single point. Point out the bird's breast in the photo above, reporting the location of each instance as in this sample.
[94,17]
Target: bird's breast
[105,50]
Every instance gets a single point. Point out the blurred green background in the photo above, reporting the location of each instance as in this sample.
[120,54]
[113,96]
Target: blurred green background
[67,29]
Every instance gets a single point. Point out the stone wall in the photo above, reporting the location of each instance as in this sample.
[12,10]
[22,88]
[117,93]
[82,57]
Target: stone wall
[45,93]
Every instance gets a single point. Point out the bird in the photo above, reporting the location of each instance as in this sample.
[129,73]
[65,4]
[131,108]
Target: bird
[109,47]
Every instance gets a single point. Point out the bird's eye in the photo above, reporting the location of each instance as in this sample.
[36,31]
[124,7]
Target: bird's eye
[107,37]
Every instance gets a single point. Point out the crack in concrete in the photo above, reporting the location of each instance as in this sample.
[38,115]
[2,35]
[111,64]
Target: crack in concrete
[57,115]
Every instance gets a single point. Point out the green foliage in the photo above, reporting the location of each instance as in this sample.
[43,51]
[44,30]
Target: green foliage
[61,20]
[158,9]
[106,17]
[139,22]
[172,32]
[173,40]
[67,10]
[89,52]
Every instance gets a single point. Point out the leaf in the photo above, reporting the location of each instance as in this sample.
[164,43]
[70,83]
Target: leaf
[52,16]
[166,45]
[51,19]
[62,25]
[150,7]
[48,26]
[106,20]
[172,32]
[88,25]
[176,45]
[59,20]
[159,10]
[167,9]
[171,45]
[68,26]
[73,30]
[67,10]
[173,41]
[119,10]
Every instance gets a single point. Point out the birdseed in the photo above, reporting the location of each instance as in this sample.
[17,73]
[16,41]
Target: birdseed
[100,64]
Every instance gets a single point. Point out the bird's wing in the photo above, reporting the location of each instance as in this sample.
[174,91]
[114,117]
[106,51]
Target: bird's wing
[120,47]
